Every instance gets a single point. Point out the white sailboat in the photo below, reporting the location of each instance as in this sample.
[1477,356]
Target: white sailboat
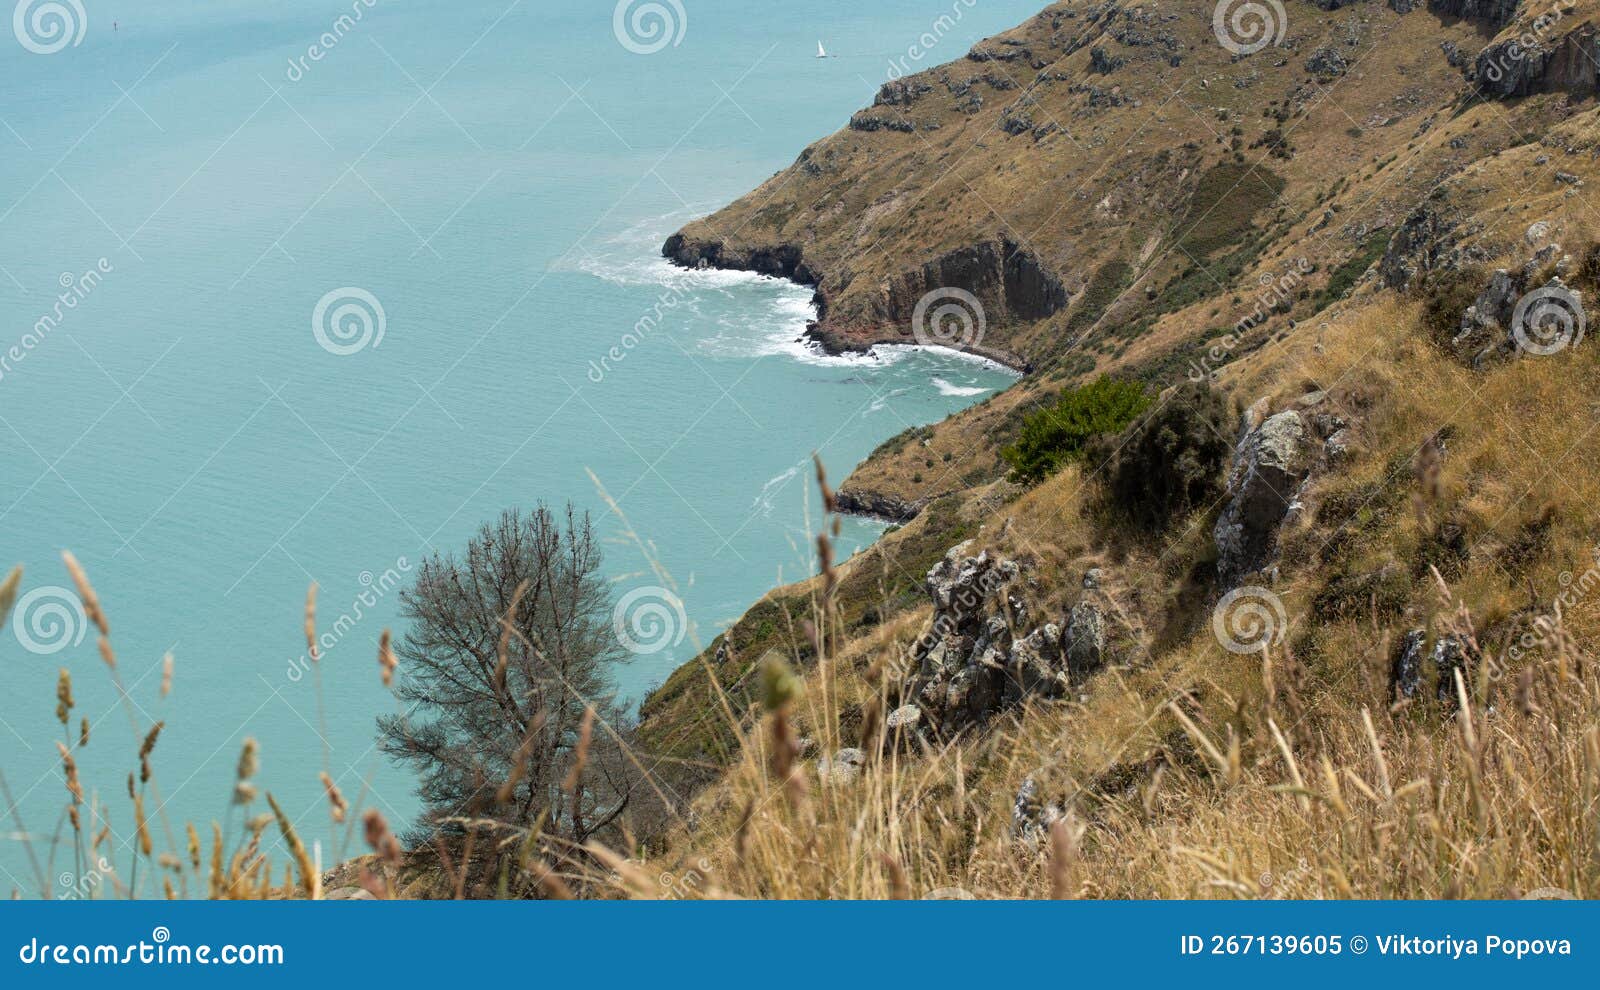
[821,52]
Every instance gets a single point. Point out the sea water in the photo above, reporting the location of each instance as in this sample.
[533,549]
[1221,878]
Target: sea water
[306,291]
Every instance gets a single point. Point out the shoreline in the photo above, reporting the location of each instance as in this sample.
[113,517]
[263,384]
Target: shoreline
[784,261]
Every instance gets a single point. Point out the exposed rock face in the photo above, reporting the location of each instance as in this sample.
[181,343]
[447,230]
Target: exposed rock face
[843,767]
[1270,463]
[1450,656]
[1485,323]
[1533,63]
[1085,639]
[1327,64]
[1424,242]
[1008,281]
[1030,814]
[779,261]
[1405,673]
[1498,13]
[975,660]
[860,502]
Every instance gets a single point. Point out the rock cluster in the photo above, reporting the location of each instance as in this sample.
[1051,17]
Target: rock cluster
[975,659]
[1450,655]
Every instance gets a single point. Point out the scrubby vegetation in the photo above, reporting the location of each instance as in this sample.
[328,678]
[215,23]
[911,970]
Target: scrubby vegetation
[1061,433]
[1171,461]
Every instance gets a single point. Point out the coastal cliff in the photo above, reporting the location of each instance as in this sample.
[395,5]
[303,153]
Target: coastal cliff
[1315,542]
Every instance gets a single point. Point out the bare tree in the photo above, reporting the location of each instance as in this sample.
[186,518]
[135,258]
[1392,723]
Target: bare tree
[508,647]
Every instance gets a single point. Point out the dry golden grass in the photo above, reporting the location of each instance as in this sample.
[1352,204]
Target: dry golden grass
[1193,772]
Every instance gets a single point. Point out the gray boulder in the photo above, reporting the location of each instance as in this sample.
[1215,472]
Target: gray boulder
[1270,464]
[1405,673]
[1084,642]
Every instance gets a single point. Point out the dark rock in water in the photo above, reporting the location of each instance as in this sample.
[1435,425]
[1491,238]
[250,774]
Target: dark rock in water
[860,502]
[779,261]
[1405,673]
[1270,464]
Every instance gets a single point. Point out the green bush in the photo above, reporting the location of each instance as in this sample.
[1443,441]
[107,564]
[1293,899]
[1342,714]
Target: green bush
[1060,433]
[1171,461]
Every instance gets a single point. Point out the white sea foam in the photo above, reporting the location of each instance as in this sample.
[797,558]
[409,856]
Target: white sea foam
[946,388]
[775,329]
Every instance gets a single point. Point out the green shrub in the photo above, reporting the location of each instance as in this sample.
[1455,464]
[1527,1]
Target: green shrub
[1171,461]
[1060,433]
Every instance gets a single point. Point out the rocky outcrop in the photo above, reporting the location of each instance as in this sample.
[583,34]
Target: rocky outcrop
[1270,463]
[1327,64]
[877,505]
[1428,240]
[1533,62]
[975,660]
[1084,641]
[1405,672]
[1450,657]
[1007,279]
[777,260]
[1498,13]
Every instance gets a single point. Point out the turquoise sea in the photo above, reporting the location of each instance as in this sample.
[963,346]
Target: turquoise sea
[300,291]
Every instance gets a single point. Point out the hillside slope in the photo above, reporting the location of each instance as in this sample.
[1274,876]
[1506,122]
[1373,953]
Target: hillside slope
[1335,263]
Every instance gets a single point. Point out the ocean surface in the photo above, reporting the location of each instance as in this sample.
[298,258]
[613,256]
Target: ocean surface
[304,291]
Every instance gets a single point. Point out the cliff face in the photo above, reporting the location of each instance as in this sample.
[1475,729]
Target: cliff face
[1119,192]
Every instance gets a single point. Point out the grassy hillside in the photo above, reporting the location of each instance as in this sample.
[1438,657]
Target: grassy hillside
[1308,231]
